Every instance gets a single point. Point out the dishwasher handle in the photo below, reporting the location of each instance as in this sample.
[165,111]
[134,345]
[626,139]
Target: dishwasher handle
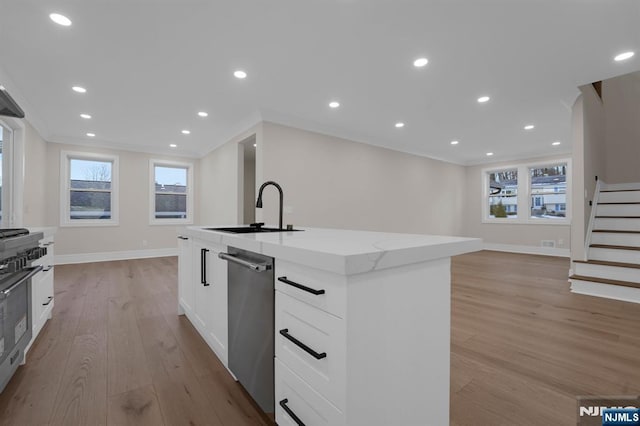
[258,267]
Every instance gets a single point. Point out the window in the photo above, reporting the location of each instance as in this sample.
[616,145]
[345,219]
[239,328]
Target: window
[548,187]
[503,194]
[540,189]
[171,198]
[89,189]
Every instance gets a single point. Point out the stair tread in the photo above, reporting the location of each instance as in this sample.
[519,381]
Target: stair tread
[616,231]
[619,202]
[607,263]
[604,281]
[609,246]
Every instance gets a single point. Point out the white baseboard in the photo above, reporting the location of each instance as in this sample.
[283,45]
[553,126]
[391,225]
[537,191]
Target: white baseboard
[65,259]
[513,248]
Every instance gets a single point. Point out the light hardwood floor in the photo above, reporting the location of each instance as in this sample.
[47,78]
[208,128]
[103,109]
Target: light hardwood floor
[523,347]
[117,353]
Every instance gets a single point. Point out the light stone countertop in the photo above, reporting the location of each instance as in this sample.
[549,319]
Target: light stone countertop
[340,251]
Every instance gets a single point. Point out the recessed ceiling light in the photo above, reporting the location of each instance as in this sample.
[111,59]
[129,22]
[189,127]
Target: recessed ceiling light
[483,99]
[85,116]
[203,114]
[91,135]
[529,127]
[556,143]
[334,104]
[399,125]
[173,145]
[420,62]
[255,144]
[454,142]
[624,56]
[60,19]
[240,74]
[489,154]
[186,132]
[79,89]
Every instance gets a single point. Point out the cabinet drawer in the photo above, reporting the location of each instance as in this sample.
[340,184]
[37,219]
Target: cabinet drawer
[312,344]
[306,404]
[302,282]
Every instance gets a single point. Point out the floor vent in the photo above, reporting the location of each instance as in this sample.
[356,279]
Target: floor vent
[548,243]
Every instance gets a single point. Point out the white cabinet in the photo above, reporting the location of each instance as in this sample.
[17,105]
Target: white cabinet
[363,349]
[186,286]
[42,290]
[209,308]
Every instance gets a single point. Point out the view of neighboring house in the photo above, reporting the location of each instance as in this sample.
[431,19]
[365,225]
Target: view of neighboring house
[91,199]
[547,190]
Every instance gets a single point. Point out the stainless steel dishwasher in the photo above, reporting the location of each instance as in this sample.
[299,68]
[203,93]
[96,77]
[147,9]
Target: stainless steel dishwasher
[251,301]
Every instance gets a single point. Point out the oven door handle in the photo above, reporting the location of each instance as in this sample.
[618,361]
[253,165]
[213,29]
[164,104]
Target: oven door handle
[32,271]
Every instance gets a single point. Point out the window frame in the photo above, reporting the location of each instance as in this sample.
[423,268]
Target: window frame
[525,195]
[152,192]
[487,195]
[13,176]
[65,189]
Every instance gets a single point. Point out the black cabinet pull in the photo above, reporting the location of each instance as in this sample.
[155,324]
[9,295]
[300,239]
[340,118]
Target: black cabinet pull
[48,301]
[300,286]
[291,414]
[307,349]
[203,267]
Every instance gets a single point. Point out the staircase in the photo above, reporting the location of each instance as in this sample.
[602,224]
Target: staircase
[612,268]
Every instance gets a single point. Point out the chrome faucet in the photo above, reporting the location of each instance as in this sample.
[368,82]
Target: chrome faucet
[259,202]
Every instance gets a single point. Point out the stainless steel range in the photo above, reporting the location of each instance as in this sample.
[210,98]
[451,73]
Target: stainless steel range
[18,248]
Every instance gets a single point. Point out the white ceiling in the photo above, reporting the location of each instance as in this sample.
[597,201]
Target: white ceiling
[150,65]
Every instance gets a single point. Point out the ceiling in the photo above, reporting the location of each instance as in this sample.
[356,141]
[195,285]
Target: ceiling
[150,65]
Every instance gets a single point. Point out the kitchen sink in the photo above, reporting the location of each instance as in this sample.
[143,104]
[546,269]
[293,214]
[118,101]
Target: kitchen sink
[249,230]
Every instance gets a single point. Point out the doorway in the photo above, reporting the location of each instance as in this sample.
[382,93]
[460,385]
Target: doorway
[248,149]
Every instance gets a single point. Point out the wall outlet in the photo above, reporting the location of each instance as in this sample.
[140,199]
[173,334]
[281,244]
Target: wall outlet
[548,243]
[560,242]
[144,243]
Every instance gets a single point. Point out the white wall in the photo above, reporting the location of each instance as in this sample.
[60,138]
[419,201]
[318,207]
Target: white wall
[589,160]
[621,100]
[507,233]
[220,199]
[337,183]
[133,226]
[35,209]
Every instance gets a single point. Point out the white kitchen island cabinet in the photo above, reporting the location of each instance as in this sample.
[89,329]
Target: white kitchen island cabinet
[202,290]
[362,324]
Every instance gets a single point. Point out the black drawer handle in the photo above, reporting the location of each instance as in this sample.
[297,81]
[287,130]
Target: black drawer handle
[203,267]
[291,414]
[48,268]
[300,286]
[307,349]
[48,301]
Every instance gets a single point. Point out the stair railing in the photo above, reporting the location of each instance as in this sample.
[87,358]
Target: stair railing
[592,218]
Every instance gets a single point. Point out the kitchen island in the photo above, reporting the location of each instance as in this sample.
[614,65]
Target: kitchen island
[369,314]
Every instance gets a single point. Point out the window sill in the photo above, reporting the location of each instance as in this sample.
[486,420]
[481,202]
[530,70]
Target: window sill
[563,222]
[89,223]
[173,222]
